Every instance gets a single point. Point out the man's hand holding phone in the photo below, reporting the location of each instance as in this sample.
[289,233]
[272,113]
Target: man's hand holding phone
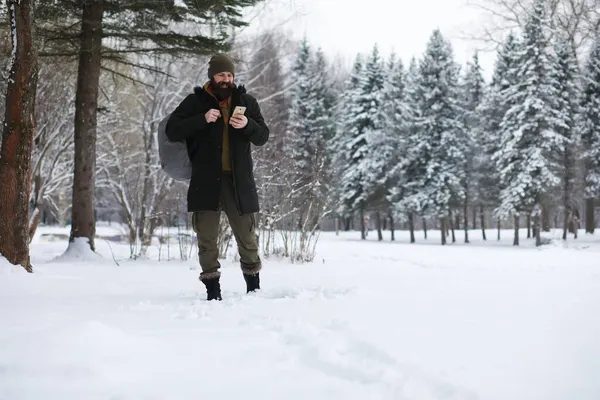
[238,120]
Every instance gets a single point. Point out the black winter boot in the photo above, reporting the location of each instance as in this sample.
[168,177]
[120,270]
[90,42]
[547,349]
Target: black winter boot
[252,282]
[213,287]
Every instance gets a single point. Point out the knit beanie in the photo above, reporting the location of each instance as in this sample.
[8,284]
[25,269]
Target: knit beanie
[220,63]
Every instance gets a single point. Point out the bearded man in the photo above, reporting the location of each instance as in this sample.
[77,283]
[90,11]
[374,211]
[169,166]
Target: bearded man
[219,122]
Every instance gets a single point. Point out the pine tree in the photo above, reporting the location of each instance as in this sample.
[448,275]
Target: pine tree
[473,95]
[529,139]
[492,109]
[361,126]
[567,102]
[590,134]
[395,117]
[309,134]
[323,105]
[299,136]
[390,121]
[441,129]
[325,98]
[411,168]
[370,103]
[347,146]
[140,26]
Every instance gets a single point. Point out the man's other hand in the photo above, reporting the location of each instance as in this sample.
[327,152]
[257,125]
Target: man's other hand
[212,115]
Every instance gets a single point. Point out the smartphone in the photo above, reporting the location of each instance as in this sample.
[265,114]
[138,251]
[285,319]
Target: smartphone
[239,110]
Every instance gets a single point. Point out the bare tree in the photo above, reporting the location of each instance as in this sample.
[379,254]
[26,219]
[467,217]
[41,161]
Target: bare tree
[17,136]
[578,20]
[263,73]
[52,171]
[128,162]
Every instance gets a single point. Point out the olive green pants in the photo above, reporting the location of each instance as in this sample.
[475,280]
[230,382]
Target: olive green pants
[206,226]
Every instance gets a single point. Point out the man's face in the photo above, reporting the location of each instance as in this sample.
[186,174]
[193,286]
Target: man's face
[222,84]
[223,79]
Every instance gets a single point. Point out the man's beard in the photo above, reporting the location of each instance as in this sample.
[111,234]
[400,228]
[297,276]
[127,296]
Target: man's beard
[222,90]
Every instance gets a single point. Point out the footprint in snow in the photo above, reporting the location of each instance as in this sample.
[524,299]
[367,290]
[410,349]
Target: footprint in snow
[338,353]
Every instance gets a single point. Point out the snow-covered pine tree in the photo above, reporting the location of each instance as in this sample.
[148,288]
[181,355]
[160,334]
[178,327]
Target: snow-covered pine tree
[326,92]
[299,134]
[371,105]
[322,130]
[345,144]
[441,129]
[590,134]
[566,78]
[493,108]
[395,121]
[360,124]
[411,170]
[473,92]
[529,139]
[308,138]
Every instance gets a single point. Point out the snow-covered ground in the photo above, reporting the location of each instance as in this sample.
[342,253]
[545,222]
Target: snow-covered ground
[366,320]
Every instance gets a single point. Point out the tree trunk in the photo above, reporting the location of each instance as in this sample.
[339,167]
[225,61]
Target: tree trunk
[443,229]
[425,228]
[537,221]
[363,236]
[545,222]
[17,136]
[566,221]
[378,222]
[482,216]
[567,192]
[516,240]
[589,216]
[337,226]
[475,218]
[466,221]
[411,227]
[392,228]
[499,228]
[83,224]
[145,223]
[528,226]
[451,223]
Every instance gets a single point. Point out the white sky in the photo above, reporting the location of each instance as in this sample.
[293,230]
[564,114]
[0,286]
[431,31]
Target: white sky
[346,27]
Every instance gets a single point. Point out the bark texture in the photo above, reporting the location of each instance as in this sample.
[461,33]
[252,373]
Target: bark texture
[17,136]
[83,223]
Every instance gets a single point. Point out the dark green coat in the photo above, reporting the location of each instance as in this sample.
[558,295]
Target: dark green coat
[205,142]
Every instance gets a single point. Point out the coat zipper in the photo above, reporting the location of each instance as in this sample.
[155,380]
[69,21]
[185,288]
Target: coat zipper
[235,192]
[232,159]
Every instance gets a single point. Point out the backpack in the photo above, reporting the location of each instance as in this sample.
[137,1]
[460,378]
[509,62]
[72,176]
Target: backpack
[174,157]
